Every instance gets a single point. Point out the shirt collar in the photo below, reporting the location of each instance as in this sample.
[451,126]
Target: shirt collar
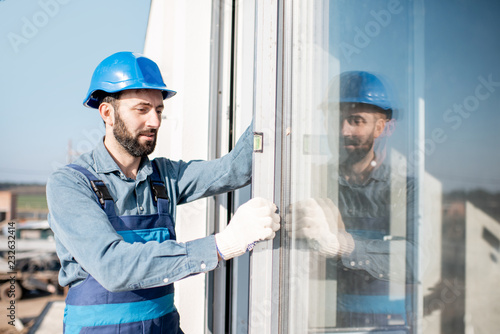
[380,173]
[104,163]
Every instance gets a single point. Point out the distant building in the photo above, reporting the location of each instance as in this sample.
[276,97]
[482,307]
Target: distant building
[23,202]
[8,204]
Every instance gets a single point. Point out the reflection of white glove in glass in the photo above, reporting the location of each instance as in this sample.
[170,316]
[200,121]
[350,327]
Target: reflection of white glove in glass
[318,220]
[254,221]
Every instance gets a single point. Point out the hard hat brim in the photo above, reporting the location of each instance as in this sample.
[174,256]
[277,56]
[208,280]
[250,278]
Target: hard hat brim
[93,101]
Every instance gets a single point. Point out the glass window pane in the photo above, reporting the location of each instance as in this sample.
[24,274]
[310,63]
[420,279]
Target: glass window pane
[350,237]
[392,189]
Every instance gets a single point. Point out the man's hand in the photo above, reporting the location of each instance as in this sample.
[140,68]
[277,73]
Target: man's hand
[254,221]
[318,221]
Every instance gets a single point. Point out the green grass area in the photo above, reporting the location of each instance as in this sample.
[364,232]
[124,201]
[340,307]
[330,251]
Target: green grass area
[27,202]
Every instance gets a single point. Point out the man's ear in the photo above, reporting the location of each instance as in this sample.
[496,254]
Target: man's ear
[106,111]
[379,126]
[390,127]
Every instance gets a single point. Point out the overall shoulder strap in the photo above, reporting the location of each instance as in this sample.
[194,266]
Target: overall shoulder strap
[100,189]
[157,185]
[160,198]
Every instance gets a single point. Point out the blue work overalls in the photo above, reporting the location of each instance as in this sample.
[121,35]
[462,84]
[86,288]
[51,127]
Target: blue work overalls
[365,300]
[90,308]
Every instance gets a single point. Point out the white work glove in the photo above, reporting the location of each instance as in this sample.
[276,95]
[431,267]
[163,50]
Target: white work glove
[254,221]
[318,220]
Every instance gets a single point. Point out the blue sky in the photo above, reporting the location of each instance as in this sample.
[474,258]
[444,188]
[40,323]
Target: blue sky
[462,45]
[49,49]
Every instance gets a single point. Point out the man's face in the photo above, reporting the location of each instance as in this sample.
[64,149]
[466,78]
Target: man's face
[360,125]
[137,120]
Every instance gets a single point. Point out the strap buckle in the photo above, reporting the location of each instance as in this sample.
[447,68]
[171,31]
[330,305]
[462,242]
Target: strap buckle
[101,191]
[159,191]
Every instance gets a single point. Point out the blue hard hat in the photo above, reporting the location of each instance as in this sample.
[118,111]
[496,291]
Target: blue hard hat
[122,71]
[362,87]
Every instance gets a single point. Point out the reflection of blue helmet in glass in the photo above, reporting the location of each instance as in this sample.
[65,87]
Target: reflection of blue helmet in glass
[362,87]
[122,71]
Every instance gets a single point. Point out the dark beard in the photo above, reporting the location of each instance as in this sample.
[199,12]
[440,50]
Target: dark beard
[359,153]
[129,142]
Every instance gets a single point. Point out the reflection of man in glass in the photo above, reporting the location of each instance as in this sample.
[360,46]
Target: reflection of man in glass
[364,111]
[366,250]
[369,292]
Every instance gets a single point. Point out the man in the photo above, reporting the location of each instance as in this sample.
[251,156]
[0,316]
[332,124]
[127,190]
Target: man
[113,210]
[370,261]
